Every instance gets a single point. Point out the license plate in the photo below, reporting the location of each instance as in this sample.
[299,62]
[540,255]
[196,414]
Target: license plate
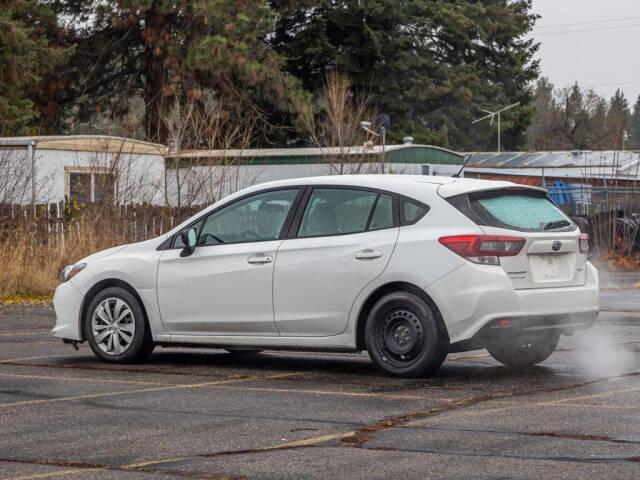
[548,267]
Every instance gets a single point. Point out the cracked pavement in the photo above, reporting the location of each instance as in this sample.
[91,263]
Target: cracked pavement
[199,413]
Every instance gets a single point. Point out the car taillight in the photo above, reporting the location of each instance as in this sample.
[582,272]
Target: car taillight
[584,243]
[484,249]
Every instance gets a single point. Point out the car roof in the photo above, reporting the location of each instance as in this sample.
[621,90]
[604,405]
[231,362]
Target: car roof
[445,186]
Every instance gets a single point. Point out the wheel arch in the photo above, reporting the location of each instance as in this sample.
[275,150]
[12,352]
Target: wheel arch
[390,288]
[97,288]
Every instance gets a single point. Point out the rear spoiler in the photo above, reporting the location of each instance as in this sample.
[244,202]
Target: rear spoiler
[461,186]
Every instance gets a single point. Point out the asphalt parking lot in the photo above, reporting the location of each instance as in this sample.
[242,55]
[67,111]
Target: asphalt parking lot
[204,414]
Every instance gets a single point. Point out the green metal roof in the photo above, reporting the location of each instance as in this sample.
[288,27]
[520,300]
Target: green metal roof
[283,156]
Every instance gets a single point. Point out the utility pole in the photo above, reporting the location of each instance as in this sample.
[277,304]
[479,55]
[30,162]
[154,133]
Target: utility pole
[366,126]
[492,116]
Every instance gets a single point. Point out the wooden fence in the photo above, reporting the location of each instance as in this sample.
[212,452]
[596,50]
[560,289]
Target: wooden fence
[57,222]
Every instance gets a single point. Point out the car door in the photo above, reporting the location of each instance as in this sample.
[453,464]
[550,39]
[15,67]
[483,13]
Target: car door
[344,238]
[225,286]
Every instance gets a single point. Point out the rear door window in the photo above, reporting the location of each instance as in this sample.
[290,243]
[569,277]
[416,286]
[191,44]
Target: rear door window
[335,211]
[382,215]
[340,211]
[526,210]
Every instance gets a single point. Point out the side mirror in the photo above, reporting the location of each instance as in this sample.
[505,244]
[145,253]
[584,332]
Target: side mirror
[189,239]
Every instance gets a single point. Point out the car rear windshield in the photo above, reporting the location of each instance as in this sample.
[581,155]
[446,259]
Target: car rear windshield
[525,210]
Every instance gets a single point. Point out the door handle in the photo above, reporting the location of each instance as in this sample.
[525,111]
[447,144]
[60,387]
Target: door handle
[256,259]
[368,254]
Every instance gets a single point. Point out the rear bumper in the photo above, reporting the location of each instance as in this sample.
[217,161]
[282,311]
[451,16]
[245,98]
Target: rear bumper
[473,296]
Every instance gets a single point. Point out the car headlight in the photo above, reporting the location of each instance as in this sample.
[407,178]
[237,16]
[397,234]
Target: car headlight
[71,271]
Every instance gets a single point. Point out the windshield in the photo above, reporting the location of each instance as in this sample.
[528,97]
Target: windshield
[524,210]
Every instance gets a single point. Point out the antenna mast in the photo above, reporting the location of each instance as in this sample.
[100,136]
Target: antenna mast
[492,116]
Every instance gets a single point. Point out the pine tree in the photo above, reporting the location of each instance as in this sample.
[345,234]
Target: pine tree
[617,120]
[166,51]
[547,130]
[27,54]
[634,126]
[432,65]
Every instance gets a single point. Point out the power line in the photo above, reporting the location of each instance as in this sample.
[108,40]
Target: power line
[585,23]
[619,27]
[613,84]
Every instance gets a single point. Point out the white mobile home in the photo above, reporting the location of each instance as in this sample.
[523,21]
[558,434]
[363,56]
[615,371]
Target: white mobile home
[84,168]
[203,176]
[92,168]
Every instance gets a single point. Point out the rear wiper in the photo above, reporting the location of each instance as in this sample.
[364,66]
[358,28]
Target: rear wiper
[556,224]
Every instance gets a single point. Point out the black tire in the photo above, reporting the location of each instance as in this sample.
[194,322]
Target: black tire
[138,347]
[523,349]
[404,337]
[243,354]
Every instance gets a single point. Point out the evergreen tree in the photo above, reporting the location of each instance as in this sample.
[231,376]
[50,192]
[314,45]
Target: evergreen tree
[547,130]
[634,126]
[166,51]
[432,65]
[569,119]
[617,120]
[26,56]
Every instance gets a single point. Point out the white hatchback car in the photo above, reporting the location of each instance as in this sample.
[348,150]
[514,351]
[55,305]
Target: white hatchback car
[408,268]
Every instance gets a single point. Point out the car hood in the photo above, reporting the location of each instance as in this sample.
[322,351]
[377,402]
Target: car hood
[102,254]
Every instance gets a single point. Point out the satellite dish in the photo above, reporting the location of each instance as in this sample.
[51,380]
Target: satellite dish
[382,120]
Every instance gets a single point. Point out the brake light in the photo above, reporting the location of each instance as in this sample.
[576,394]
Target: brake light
[584,243]
[484,249]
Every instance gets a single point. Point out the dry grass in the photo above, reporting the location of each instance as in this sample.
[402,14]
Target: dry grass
[621,262]
[33,251]
[32,259]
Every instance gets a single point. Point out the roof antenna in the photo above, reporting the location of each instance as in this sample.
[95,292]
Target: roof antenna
[464,164]
[492,115]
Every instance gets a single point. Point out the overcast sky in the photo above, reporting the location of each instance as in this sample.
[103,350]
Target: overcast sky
[593,42]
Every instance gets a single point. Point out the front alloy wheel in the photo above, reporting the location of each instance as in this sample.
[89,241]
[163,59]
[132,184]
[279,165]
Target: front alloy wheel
[113,326]
[116,328]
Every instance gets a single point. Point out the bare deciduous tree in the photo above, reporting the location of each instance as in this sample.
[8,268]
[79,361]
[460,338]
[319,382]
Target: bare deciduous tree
[334,126]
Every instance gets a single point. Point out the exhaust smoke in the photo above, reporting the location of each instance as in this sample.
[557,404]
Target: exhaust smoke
[600,353]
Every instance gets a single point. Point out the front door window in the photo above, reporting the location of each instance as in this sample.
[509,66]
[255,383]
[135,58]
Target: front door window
[253,219]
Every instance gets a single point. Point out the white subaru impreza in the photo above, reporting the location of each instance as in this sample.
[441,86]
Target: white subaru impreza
[408,268]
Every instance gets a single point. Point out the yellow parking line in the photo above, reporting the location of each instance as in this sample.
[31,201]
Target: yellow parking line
[133,466]
[560,402]
[258,389]
[40,357]
[80,379]
[143,390]
[602,407]
[336,393]
[57,473]
[138,465]
[11,334]
[311,441]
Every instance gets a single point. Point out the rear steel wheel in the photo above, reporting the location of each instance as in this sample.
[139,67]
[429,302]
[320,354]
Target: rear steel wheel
[403,336]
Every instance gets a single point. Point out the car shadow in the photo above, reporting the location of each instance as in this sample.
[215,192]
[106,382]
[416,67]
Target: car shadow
[332,365]
[322,367]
